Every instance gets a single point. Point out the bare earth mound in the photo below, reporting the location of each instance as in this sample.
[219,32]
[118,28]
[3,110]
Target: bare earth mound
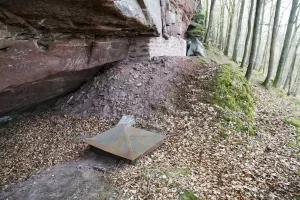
[138,88]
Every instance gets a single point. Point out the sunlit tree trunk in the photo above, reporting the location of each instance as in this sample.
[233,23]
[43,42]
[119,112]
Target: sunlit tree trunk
[238,33]
[286,44]
[273,43]
[248,34]
[254,39]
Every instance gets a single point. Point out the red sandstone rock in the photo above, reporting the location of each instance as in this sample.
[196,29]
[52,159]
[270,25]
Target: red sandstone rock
[30,75]
[47,48]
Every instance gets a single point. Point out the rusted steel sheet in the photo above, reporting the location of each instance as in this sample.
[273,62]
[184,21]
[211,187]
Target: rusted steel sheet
[127,142]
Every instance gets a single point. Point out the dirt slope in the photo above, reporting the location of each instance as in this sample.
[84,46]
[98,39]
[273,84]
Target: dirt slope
[138,88]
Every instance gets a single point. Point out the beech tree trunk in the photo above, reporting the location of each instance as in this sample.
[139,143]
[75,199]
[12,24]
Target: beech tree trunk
[292,68]
[265,54]
[221,35]
[238,33]
[286,44]
[254,40]
[248,34]
[231,16]
[258,47]
[273,43]
[210,22]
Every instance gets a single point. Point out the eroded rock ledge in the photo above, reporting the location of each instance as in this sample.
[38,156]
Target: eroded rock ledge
[49,48]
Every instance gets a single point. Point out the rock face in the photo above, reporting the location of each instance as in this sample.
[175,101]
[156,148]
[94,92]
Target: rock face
[49,48]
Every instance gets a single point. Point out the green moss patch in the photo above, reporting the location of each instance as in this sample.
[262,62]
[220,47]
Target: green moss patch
[188,195]
[234,94]
[196,30]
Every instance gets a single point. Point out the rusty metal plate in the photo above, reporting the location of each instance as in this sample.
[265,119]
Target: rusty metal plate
[127,142]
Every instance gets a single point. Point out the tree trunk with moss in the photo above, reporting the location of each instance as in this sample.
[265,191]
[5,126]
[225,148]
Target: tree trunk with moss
[254,40]
[238,33]
[210,22]
[248,34]
[273,43]
[286,44]
[231,16]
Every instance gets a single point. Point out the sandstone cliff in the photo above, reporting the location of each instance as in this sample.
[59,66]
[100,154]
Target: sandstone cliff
[49,48]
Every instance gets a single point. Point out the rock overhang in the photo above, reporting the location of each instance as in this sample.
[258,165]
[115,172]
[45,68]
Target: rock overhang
[47,44]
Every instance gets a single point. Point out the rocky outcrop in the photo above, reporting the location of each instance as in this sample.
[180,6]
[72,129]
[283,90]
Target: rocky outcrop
[48,48]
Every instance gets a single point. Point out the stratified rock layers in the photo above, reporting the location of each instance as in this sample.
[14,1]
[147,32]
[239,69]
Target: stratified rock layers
[49,48]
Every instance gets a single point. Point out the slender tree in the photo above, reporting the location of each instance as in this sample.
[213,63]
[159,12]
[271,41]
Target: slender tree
[296,85]
[286,44]
[238,33]
[292,68]
[210,22]
[258,47]
[206,13]
[265,52]
[248,34]
[254,39]
[296,27]
[231,10]
[221,35]
[273,43]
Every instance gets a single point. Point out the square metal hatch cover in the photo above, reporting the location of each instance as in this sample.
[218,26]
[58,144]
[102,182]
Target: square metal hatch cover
[127,141]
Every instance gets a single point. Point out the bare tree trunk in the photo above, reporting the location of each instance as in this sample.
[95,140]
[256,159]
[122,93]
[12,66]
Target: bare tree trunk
[248,34]
[210,22]
[221,36]
[292,68]
[258,47]
[273,43]
[254,39]
[296,27]
[206,13]
[286,44]
[265,54]
[238,33]
[296,85]
[231,16]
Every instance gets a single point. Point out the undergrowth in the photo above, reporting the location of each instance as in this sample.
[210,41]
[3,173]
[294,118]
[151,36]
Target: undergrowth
[234,94]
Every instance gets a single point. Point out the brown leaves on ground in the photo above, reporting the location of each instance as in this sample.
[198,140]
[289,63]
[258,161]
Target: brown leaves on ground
[197,156]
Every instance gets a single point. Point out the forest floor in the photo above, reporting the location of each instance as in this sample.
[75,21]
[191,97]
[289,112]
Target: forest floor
[203,157]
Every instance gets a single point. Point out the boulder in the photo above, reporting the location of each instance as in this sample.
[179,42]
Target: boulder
[196,48]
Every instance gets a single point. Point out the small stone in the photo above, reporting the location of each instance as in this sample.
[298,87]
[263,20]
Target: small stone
[139,84]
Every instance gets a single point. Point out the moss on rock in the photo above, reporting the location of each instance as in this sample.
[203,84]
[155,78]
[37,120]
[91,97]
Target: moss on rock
[234,94]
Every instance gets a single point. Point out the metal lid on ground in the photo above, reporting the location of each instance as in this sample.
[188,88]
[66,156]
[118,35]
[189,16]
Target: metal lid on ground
[126,141]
